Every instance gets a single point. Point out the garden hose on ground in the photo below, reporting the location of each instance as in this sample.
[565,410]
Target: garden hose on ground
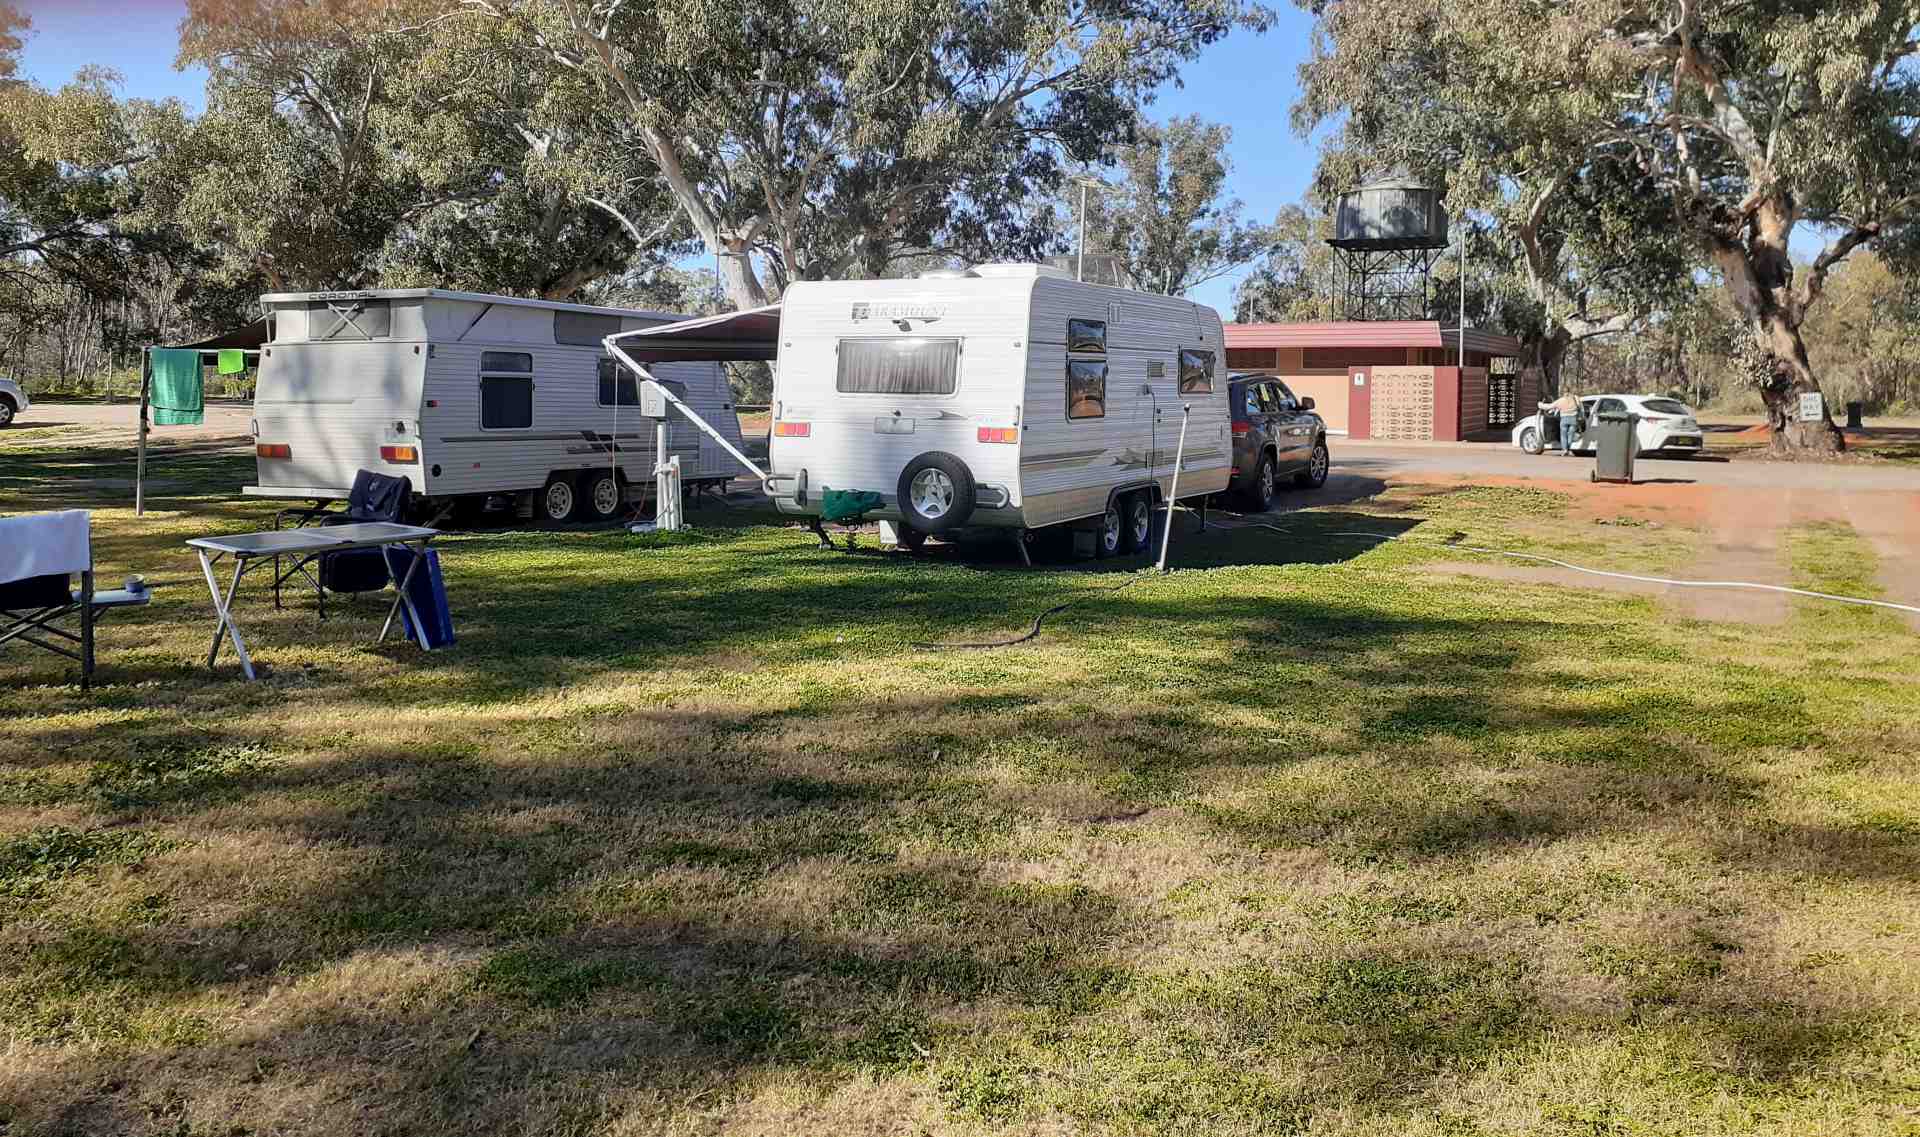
[1034,631]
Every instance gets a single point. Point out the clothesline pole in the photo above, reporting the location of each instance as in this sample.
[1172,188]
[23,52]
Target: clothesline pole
[140,461]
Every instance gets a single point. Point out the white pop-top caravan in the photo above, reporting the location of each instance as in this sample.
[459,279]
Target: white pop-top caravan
[469,395]
[1008,396]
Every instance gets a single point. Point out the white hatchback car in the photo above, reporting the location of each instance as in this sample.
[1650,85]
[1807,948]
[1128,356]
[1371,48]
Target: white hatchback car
[1666,426]
[12,401]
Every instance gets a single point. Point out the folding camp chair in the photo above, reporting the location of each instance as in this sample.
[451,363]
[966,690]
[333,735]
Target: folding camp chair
[374,497]
[40,554]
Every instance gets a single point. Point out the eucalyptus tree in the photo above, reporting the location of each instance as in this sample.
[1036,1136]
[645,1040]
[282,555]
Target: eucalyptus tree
[410,142]
[1163,211]
[806,139]
[1633,143]
[1433,88]
[1293,280]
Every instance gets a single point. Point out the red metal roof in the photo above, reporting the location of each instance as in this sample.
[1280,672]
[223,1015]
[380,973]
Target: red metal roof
[1367,333]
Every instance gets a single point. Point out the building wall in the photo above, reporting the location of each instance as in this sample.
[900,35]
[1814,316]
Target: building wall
[1403,402]
[1328,390]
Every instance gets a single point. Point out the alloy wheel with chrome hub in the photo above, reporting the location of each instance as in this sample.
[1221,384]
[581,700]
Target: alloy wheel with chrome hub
[1110,526]
[932,493]
[1139,521]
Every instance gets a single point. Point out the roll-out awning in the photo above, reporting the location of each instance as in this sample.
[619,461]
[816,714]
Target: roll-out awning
[753,334]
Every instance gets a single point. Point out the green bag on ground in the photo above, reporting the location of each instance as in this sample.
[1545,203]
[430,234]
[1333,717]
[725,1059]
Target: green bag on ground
[233,361]
[848,505]
[178,395]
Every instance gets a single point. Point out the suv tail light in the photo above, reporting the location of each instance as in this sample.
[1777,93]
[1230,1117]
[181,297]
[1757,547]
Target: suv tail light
[1240,428]
[273,450]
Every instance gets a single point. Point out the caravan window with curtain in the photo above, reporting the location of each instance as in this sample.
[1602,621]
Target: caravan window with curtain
[898,366]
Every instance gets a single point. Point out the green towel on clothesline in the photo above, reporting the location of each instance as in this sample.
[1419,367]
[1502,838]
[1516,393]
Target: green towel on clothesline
[233,361]
[178,393]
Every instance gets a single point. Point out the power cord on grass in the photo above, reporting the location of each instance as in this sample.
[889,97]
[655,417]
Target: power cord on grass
[1034,631]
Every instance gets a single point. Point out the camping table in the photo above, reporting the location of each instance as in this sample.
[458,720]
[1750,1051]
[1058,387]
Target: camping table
[307,545]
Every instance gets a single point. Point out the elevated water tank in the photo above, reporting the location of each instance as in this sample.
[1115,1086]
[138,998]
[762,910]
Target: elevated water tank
[1397,211]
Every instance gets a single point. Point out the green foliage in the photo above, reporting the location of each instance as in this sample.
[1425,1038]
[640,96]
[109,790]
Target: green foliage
[1632,144]
[1293,281]
[1166,218]
[811,139]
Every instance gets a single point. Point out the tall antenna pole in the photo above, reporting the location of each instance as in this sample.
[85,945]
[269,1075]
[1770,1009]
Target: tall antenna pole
[1080,249]
[1463,299]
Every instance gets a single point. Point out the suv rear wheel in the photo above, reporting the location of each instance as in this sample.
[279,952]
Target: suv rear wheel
[7,411]
[1258,496]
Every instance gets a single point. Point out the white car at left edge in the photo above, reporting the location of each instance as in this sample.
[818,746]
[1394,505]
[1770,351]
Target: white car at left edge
[1666,426]
[12,401]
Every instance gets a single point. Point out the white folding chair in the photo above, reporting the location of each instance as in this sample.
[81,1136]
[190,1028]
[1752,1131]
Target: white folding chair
[40,554]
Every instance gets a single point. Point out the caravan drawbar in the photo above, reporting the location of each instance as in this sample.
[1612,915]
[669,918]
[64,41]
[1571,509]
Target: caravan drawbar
[471,396]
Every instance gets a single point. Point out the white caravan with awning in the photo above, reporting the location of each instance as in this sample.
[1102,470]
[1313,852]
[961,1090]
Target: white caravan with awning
[471,396]
[1007,396]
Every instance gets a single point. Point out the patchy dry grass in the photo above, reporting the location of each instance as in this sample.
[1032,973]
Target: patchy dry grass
[686,836]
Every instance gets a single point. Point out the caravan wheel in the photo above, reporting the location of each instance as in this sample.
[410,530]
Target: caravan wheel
[1107,538]
[602,495]
[560,499]
[935,493]
[1137,511]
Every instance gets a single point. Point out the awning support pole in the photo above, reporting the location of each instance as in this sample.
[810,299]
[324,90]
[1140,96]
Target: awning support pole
[140,449]
[647,377]
[1173,490]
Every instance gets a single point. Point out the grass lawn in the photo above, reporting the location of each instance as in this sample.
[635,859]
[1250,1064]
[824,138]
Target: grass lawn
[687,835]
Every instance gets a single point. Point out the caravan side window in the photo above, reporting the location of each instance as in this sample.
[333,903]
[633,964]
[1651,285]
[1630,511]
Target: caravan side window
[1086,378]
[1086,389]
[1196,372]
[615,379]
[1087,337]
[506,390]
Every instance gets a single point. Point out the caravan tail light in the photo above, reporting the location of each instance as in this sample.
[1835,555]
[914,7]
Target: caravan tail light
[999,434]
[1240,428]
[273,450]
[792,430]
[399,454]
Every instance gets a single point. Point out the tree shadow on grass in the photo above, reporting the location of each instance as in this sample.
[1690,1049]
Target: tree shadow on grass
[545,921]
[621,916]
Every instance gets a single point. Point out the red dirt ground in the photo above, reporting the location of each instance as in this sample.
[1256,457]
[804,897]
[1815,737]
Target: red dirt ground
[1745,531]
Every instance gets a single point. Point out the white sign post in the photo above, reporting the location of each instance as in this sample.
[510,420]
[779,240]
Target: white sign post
[1812,407]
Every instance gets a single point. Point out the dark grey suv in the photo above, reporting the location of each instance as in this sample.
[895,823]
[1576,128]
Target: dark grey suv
[1274,436]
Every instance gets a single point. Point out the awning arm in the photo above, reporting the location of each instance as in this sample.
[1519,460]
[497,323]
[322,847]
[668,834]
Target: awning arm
[640,370]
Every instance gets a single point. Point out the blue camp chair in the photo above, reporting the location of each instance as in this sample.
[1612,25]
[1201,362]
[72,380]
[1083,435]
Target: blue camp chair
[374,497]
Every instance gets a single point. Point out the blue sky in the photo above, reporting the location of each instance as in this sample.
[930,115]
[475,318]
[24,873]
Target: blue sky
[1246,81]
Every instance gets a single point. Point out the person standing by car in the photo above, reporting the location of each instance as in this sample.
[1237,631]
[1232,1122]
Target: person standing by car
[1568,408]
